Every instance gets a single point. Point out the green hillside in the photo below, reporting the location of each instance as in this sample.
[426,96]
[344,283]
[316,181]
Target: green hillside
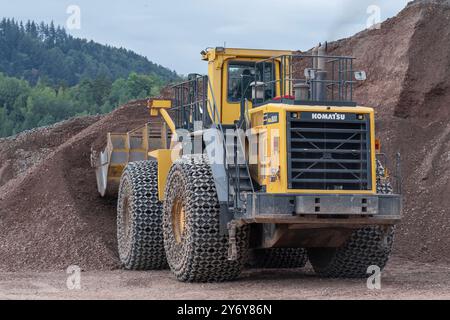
[38,51]
[47,76]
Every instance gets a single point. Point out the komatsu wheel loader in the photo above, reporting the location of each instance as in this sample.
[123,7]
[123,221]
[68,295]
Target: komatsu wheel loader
[267,161]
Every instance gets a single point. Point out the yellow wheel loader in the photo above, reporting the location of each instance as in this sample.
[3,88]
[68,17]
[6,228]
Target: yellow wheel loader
[267,161]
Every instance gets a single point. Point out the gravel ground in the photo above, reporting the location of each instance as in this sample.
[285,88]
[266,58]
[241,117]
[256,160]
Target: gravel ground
[401,280]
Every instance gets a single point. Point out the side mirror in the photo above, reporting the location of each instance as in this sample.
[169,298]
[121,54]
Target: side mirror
[360,76]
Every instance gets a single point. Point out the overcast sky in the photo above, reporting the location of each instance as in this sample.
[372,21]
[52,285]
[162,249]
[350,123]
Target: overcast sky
[173,32]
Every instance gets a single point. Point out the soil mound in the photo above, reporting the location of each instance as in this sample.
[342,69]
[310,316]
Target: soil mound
[52,216]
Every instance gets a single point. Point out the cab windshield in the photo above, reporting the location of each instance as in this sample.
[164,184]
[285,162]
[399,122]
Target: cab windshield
[241,74]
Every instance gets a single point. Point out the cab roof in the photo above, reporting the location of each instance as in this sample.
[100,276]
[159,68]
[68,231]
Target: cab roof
[213,53]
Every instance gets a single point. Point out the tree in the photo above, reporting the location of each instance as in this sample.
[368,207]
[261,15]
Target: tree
[38,48]
[49,76]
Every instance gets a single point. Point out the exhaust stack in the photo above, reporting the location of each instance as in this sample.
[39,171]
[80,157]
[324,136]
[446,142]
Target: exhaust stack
[321,52]
[319,83]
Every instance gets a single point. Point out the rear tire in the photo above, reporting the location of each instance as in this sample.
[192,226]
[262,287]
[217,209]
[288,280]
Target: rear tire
[365,247]
[278,258]
[139,218]
[195,249]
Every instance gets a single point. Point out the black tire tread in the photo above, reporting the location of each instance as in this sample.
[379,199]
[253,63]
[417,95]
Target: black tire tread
[144,249]
[202,255]
[366,247]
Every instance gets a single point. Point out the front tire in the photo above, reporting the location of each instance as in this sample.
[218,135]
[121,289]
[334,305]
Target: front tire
[139,218]
[195,249]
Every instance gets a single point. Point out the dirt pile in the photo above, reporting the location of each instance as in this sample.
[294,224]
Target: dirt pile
[408,66]
[27,149]
[52,216]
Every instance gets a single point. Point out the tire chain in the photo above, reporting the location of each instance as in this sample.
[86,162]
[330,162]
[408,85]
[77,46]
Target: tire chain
[366,247]
[143,249]
[202,255]
[297,257]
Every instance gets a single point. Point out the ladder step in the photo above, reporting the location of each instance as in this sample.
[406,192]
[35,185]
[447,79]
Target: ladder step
[242,174]
[245,186]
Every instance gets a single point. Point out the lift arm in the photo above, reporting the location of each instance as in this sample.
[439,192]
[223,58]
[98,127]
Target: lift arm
[159,107]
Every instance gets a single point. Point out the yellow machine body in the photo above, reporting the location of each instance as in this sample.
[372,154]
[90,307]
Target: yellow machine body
[266,141]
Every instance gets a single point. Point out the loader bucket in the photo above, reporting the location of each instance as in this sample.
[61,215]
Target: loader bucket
[123,148]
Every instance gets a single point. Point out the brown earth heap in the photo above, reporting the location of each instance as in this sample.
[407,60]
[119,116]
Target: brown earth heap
[52,217]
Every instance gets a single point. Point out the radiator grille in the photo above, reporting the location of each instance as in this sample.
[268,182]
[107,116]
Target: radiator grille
[329,151]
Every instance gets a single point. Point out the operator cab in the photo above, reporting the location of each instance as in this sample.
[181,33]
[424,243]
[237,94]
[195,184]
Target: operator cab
[273,76]
[242,79]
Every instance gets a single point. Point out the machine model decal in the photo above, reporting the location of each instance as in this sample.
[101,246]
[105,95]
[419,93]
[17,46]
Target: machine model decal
[328,116]
[271,118]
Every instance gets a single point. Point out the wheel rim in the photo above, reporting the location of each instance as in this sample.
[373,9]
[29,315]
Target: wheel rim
[178,220]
